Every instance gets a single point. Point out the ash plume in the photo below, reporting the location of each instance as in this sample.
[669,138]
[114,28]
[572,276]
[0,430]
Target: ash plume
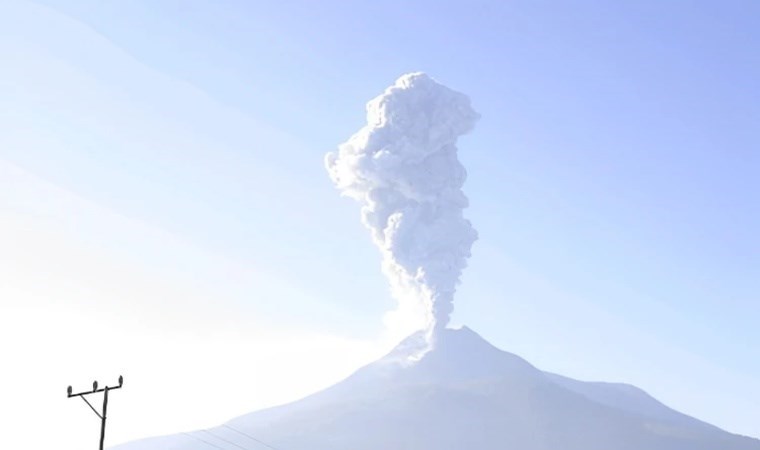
[403,168]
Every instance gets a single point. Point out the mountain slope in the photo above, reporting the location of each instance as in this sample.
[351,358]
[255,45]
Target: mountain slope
[467,394]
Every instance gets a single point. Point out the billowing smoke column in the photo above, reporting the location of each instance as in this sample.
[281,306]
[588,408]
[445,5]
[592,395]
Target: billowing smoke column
[403,167]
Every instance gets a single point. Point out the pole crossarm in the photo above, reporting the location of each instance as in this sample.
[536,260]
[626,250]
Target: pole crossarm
[96,390]
[110,388]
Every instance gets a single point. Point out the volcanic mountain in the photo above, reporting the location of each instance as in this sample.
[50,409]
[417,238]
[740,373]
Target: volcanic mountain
[463,394]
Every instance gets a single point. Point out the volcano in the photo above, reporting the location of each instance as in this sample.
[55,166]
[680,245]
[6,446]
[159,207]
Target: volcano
[464,393]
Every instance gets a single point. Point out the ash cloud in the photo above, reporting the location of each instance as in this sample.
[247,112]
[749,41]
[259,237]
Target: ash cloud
[402,166]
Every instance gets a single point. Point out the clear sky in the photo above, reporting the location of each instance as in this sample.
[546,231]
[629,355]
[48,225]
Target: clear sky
[165,212]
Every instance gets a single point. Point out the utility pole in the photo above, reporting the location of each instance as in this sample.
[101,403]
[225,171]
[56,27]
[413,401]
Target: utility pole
[101,415]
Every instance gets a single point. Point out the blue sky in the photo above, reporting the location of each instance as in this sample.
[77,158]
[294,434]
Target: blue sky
[613,179]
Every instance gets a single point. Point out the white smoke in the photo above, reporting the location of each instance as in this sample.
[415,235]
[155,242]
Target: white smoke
[403,167]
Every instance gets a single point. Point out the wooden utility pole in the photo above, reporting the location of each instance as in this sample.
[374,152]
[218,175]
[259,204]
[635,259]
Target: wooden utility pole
[102,414]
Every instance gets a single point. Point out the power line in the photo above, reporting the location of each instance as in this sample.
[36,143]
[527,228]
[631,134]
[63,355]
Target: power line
[204,441]
[225,440]
[251,437]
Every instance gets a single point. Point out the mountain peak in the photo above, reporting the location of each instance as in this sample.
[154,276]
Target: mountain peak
[463,338]
[447,355]
[417,345]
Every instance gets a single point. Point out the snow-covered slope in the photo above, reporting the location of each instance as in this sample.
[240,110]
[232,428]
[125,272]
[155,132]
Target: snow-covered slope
[465,394]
